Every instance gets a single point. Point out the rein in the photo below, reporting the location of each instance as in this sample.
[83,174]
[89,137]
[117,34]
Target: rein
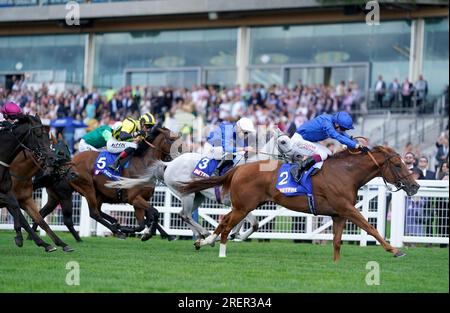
[387,162]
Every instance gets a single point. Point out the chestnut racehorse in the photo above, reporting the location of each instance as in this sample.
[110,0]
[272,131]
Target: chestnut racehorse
[23,168]
[93,189]
[335,189]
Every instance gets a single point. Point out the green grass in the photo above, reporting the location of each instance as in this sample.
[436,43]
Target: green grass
[112,265]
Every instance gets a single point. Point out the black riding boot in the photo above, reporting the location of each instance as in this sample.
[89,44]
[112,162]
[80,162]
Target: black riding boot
[298,170]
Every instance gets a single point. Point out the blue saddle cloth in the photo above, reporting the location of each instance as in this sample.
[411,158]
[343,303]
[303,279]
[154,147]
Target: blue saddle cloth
[102,163]
[205,167]
[289,187]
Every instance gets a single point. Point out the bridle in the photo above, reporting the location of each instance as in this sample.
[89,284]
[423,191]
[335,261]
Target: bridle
[38,155]
[151,145]
[391,166]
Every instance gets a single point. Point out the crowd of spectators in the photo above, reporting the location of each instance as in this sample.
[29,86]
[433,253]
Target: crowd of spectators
[275,105]
[403,95]
[427,216]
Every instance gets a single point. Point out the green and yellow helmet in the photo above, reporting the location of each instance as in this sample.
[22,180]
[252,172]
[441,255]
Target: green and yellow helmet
[147,119]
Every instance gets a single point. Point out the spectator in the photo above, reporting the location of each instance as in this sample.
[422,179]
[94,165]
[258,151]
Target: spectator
[423,166]
[407,89]
[421,88]
[380,90]
[410,160]
[442,151]
[443,172]
[393,92]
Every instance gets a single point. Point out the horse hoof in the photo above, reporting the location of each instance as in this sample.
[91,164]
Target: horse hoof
[50,249]
[68,249]
[197,245]
[399,254]
[171,238]
[121,236]
[79,241]
[146,237]
[19,242]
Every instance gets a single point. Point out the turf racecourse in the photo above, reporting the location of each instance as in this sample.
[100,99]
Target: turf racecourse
[112,265]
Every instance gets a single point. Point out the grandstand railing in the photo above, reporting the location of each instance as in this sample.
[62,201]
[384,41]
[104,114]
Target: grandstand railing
[419,219]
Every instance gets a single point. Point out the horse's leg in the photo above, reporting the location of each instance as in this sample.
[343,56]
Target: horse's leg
[48,208]
[211,239]
[94,211]
[30,206]
[67,211]
[235,217]
[358,219]
[338,228]
[16,214]
[140,208]
[162,231]
[188,206]
[255,225]
[109,218]
[37,240]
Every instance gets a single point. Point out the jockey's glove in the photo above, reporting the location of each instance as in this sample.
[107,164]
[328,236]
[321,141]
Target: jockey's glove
[139,133]
[364,149]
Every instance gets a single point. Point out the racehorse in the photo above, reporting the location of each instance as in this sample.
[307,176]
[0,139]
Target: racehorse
[23,168]
[93,189]
[181,168]
[335,189]
[24,134]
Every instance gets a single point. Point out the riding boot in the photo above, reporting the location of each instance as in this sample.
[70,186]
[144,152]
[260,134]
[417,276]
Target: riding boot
[298,170]
[116,165]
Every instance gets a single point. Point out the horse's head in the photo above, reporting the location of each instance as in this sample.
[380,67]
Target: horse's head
[284,144]
[163,142]
[395,171]
[31,135]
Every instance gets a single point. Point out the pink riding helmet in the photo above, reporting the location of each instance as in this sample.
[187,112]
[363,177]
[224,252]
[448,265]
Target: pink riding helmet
[11,109]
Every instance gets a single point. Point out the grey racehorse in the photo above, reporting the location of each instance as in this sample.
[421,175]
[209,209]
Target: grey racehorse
[180,170]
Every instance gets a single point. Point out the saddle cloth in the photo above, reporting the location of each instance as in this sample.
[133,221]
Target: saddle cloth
[205,167]
[289,187]
[102,163]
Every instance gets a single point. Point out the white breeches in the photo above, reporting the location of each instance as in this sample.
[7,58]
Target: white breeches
[301,147]
[84,146]
[115,146]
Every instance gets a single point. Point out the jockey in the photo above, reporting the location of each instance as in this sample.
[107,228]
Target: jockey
[126,136]
[11,111]
[226,139]
[95,139]
[304,141]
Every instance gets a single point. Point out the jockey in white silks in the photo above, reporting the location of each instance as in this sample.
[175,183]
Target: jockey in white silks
[226,140]
[305,141]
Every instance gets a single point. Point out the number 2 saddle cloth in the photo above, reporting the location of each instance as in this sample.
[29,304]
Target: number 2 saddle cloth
[289,187]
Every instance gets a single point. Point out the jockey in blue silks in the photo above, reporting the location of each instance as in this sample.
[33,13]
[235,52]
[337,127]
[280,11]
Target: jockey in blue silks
[304,141]
[228,138]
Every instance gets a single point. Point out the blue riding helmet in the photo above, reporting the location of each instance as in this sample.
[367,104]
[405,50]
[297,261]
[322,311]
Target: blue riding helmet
[343,119]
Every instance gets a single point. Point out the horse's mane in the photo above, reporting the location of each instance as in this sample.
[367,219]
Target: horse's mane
[346,153]
[143,146]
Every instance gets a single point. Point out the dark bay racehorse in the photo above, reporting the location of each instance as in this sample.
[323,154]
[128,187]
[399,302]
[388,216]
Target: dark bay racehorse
[335,189]
[24,134]
[93,189]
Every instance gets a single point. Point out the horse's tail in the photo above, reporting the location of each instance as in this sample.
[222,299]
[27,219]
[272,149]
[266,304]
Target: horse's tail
[206,183]
[154,172]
